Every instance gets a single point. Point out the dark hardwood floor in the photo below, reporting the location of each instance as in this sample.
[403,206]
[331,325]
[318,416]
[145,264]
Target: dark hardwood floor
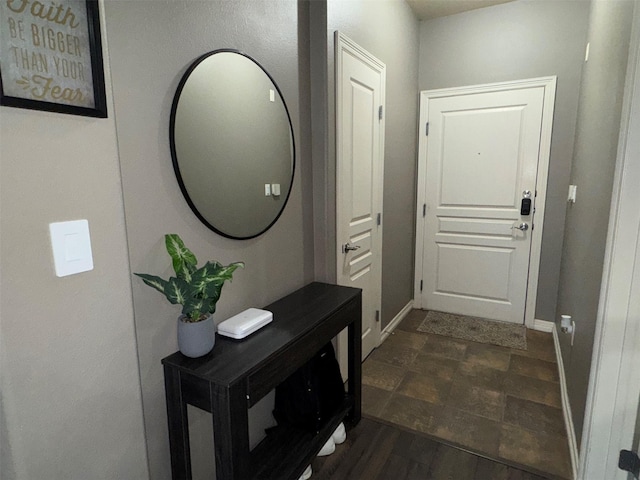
[376,451]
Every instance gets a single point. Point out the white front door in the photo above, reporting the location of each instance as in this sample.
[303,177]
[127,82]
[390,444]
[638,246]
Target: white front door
[359,168]
[480,174]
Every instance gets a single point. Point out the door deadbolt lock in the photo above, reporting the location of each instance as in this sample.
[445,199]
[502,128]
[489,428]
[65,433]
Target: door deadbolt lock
[525,205]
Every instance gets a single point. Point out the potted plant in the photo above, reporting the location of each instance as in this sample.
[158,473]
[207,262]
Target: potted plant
[197,290]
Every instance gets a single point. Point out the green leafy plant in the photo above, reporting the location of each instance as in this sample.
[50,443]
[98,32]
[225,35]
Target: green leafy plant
[196,289]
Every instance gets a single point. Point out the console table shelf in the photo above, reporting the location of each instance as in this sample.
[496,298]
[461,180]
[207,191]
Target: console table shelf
[284,451]
[237,374]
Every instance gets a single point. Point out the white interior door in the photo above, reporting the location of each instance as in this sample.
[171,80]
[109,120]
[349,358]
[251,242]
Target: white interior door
[359,169]
[481,159]
[613,399]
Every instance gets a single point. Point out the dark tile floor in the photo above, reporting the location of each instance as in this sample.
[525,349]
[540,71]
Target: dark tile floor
[499,402]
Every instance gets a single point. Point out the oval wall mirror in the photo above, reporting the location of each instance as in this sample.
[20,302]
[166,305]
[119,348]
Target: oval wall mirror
[232,144]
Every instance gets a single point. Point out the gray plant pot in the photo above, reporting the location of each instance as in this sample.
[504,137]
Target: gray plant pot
[196,339]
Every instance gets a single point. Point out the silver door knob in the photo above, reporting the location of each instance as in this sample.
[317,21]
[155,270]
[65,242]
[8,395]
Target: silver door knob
[347,247]
[523,226]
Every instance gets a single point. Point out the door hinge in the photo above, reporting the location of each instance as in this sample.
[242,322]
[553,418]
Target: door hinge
[629,462]
[424,209]
[426,130]
[420,285]
[379,219]
[380,112]
[377,315]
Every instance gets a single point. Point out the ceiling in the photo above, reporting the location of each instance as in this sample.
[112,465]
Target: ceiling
[427,9]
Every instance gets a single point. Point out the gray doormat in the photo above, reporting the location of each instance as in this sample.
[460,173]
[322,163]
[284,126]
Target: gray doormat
[475,329]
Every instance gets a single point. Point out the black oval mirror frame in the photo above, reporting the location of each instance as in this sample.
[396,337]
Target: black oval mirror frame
[221,172]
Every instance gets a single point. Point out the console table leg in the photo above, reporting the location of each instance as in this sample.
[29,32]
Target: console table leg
[230,432]
[178,426]
[355,364]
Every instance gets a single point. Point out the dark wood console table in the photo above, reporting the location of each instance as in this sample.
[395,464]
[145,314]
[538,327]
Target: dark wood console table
[237,374]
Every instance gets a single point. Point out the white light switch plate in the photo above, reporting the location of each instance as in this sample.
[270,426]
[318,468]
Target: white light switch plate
[71,246]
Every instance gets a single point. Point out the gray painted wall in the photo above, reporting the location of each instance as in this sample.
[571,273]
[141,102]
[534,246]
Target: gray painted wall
[522,39]
[71,406]
[388,30]
[594,159]
[324,192]
[145,74]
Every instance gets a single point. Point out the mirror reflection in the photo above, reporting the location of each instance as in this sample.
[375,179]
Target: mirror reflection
[232,144]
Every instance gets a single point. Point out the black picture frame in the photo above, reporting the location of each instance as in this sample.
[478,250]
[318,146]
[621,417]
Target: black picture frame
[99,107]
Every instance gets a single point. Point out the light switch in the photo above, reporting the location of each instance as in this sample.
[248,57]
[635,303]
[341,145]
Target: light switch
[272,95]
[267,189]
[71,246]
[572,193]
[275,189]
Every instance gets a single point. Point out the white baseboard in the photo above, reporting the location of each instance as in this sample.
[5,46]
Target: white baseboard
[396,321]
[566,406]
[543,325]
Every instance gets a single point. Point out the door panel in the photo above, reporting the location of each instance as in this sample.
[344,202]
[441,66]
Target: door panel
[361,103]
[474,261]
[359,133]
[480,171]
[482,154]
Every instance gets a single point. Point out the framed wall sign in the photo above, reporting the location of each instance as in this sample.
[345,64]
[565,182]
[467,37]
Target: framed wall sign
[51,56]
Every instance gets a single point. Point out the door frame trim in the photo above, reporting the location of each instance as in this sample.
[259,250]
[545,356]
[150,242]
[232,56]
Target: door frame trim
[345,44]
[614,379]
[548,103]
